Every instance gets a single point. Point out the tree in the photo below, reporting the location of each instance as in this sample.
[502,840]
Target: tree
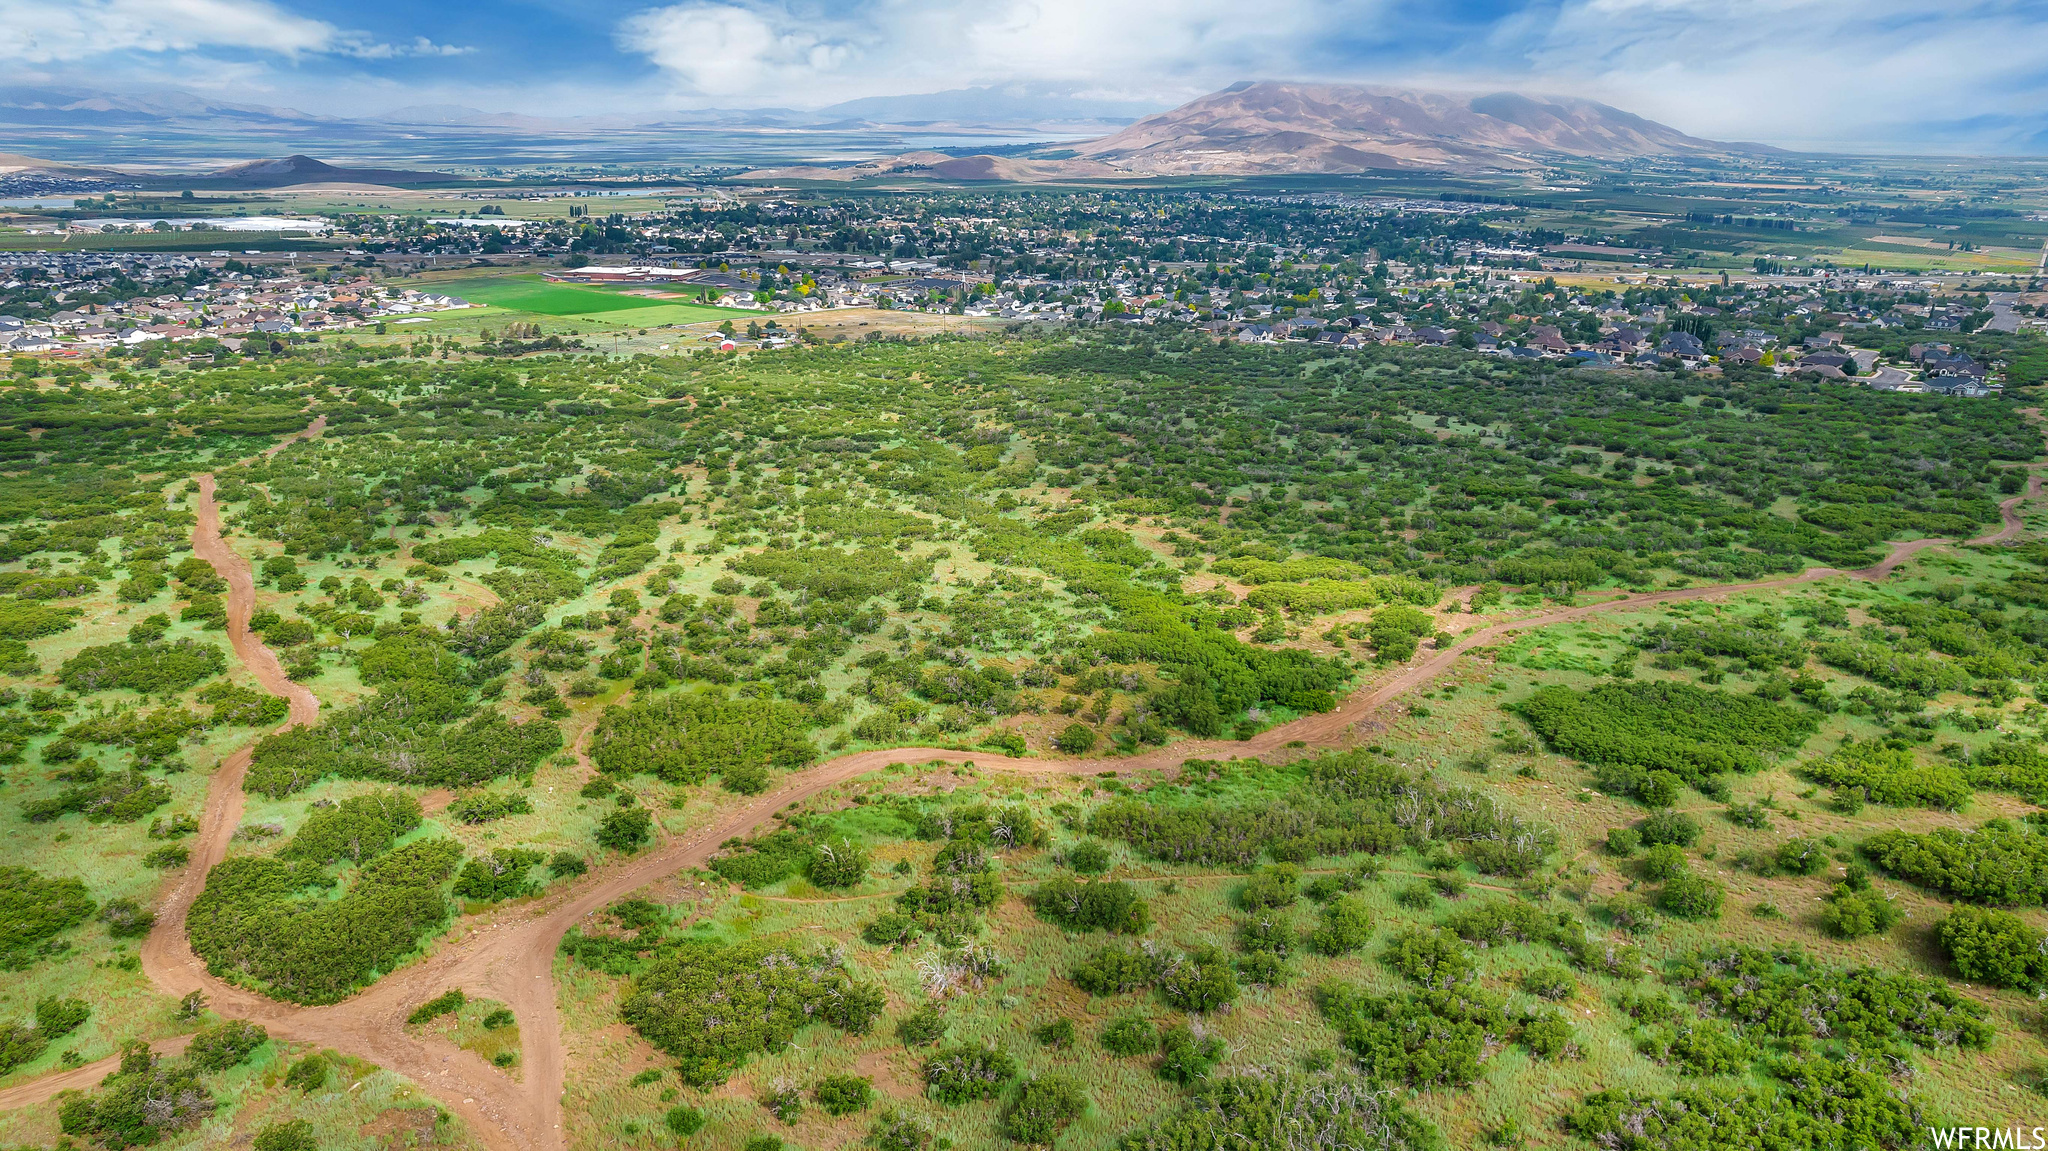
[1076,739]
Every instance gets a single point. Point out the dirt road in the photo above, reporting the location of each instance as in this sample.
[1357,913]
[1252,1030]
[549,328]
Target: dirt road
[509,954]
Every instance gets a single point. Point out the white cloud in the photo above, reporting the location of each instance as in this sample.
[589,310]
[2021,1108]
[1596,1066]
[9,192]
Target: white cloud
[68,31]
[792,52]
[1801,72]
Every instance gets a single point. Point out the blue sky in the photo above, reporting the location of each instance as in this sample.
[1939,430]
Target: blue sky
[1857,73]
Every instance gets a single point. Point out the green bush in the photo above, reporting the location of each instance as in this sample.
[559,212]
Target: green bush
[1802,856]
[628,830]
[683,1121]
[1057,1034]
[1690,895]
[843,1094]
[837,866]
[1275,886]
[1891,776]
[488,807]
[309,1074]
[1998,864]
[1201,980]
[965,1074]
[152,668]
[1669,827]
[249,919]
[1088,857]
[225,1045]
[291,1135]
[126,919]
[1042,1109]
[1075,739]
[922,1027]
[683,737]
[1851,912]
[1187,1055]
[33,912]
[1345,926]
[895,1131]
[1266,1111]
[1116,969]
[502,874]
[1129,1035]
[712,1005]
[1623,841]
[140,1104]
[1434,959]
[1995,947]
[447,1003]
[1550,983]
[1641,726]
[1422,1038]
[1664,861]
[1103,905]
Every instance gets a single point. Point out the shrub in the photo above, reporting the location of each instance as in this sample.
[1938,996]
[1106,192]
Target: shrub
[1422,1038]
[1275,886]
[1891,776]
[1550,983]
[1995,947]
[1802,856]
[1692,896]
[315,950]
[1623,841]
[1089,857]
[1630,913]
[1646,726]
[499,875]
[219,1048]
[712,1005]
[139,1104]
[127,919]
[628,830]
[150,668]
[1075,739]
[895,1131]
[837,866]
[1187,1055]
[1102,905]
[1851,912]
[1345,927]
[1057,1034]
[965,1074]
[308,1074]
[1263,1110]
[1043,1109]
[684,1121]
[1997,864]
[922,1028]
[566,863]
[488,807]
[1432,958]
[1116,969]
[1669,827]
[843,1094]
[446,1003]
[1129,1035]
[1659,788]
[292,1135]
[1664,861]
[1547,1035]
[1198,981]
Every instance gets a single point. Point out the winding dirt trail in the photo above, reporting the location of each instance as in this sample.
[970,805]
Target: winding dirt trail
[509,954]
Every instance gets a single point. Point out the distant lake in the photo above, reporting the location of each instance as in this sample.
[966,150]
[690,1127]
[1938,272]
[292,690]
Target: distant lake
[41,202]
[224,223]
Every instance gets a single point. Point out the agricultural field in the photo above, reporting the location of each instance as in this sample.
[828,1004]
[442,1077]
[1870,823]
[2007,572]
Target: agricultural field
[1090,741]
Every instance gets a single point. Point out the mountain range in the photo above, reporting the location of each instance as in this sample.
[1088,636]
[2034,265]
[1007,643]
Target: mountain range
[1278,128]
[1258,128]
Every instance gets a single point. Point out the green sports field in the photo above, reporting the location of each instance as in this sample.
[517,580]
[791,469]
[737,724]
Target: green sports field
[538,298]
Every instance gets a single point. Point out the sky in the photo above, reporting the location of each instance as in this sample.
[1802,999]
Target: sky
[1887,75]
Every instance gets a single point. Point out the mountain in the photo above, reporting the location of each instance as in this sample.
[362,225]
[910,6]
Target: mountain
[1280,127]
[83,109]
[287,171]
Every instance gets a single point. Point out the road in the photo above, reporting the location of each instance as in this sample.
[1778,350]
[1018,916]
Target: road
[509,954]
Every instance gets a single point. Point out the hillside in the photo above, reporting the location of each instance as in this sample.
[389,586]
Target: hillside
[1281,127]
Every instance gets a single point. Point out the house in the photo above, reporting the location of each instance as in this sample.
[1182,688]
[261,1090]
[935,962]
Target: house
[1684,347]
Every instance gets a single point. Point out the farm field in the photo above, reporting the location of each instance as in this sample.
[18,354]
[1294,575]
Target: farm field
[1092,740]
